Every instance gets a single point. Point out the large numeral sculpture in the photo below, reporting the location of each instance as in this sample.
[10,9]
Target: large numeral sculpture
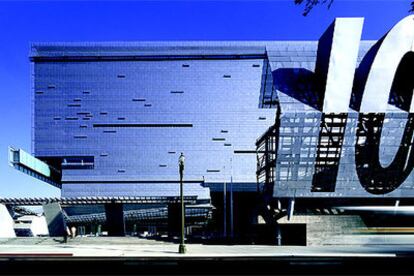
[382,73]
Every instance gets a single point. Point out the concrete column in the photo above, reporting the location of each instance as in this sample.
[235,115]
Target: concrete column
[174,219]
[6,223]
[56,223]
[115,221]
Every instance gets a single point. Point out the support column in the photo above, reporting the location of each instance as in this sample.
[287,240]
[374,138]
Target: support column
[115,221]
[55,220]
[174,219]
[6,223]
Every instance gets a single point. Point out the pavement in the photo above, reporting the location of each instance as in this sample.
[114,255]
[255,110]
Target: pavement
[127,255]
[139,247]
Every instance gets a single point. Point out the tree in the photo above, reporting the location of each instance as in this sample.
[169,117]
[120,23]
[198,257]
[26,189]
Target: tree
[309,4]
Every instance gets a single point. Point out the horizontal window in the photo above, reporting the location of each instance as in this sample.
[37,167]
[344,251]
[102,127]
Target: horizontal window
[256,65]
[83,126]
[39,92]
[74,105]
[103,113]
[213,171]
[103,154]
[86,92]
[162,165]
[80,136]
[147,105]
[138,100]
[83,113]
[262,118]
[177,92]
[86,119]
[186,65]
[227,76]
[71,118]
[51,86]
[57,118]
[121,171]
[227,145]
[77,100]
[245,151]
[142,125]
[121,118]
[121,76]
[219,139]
[109,131]
[224,131]
[171,152]
[78,162]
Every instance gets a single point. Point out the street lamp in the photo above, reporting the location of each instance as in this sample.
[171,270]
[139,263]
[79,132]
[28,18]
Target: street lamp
[181,159]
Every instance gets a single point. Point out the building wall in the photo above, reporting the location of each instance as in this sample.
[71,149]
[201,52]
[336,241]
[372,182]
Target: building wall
[128,121]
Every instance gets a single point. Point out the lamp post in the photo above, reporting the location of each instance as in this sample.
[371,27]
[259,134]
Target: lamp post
[181,159]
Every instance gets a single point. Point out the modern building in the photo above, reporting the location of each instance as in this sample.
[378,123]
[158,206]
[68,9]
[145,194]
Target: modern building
[114,117]
[261,123]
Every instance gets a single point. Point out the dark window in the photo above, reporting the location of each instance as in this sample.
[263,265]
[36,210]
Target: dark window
[121,171]
[121,118]
[186,65]
[86,92]
[219,139]
[121,76]
[256,65]
[162,166]
[142,125]
[109,131]
[245,151]
[104,113]
[224,131]
[171,152]
[227,76]
[78,162]
[57,118]
[51,86]
[147,105]
[74,105]
[262,118]
[71,118]
[39,92]
[80,136]
[177,92]
[138,100]
[213,171]
[227,145]
[83,126]
[103,154]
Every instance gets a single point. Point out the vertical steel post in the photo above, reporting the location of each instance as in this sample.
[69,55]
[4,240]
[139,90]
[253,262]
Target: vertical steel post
[225,209]
[231,201]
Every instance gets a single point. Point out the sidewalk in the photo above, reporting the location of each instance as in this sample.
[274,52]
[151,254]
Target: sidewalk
[136,247]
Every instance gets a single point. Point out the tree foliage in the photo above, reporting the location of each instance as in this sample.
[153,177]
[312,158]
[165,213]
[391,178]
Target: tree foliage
[309,4]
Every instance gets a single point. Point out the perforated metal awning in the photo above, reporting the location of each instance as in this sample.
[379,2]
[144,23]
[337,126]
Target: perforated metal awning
[96,200]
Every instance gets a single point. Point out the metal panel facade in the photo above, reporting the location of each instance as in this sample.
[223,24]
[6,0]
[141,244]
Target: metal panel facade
[133,113]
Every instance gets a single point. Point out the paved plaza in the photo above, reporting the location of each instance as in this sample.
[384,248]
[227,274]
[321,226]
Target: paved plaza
[138,247]
[137,256]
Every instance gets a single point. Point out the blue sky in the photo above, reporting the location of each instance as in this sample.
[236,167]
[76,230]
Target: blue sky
[25,22]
